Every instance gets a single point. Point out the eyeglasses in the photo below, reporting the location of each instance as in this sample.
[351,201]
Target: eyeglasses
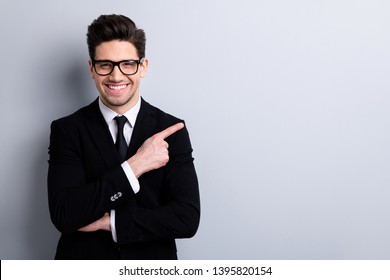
[127,67]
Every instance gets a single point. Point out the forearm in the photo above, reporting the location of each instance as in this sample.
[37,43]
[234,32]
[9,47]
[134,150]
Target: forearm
[74,204]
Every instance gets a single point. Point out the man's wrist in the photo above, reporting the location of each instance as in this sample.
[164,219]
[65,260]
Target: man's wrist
[135,166]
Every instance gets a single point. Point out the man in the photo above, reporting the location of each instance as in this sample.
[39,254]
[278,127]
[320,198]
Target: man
[120,187]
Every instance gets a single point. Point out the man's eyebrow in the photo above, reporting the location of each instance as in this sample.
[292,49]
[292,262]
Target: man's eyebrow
[127,59]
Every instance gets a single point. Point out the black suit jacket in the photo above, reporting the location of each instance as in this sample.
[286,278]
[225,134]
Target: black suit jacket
[85,180]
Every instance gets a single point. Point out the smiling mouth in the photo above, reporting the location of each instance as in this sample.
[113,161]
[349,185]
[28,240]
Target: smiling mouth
[116,87]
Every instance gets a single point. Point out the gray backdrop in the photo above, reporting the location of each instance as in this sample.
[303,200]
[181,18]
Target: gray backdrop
[287,104]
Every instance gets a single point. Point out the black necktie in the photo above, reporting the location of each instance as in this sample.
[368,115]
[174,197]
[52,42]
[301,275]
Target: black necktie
[121,145]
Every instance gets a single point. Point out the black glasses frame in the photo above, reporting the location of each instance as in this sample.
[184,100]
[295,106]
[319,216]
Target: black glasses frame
[117,63]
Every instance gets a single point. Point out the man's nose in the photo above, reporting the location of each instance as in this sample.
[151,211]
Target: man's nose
[116,74]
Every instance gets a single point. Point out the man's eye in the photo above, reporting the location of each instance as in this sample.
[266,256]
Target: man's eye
[128,64]
[105,65]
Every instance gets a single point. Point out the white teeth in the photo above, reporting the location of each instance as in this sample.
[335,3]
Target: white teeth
[117,87]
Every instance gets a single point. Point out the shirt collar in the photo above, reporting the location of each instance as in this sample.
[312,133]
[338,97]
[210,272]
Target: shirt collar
[109,114]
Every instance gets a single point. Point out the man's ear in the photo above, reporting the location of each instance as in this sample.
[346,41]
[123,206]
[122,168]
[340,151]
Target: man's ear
[91,72]
[143,67]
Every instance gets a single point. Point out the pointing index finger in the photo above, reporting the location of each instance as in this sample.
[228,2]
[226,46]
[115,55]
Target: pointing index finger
[170,130]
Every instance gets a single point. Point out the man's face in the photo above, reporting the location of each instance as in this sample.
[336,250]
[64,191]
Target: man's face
[117,91]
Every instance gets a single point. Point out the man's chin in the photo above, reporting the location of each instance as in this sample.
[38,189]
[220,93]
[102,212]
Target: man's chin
[116,102]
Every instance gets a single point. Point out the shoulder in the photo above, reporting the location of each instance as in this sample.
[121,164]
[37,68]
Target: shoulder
[66,132]
[76,118]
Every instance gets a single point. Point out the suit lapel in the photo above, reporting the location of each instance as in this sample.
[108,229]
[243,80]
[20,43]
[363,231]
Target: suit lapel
[100,134]
[144,127]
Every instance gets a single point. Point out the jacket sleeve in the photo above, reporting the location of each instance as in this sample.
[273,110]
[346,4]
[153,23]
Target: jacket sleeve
[74,202]
[178,214]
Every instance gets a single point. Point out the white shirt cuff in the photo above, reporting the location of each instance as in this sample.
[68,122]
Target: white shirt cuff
[112,225]
[131,177]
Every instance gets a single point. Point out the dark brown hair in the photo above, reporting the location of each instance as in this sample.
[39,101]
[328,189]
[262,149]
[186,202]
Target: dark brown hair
[115,27]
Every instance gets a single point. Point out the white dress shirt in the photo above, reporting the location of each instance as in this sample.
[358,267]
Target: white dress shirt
[131,115]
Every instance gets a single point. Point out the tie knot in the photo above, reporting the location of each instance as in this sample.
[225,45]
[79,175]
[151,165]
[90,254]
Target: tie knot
[121,121]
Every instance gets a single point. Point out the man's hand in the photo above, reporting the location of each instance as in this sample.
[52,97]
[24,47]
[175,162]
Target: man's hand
[153,153]
[102,224]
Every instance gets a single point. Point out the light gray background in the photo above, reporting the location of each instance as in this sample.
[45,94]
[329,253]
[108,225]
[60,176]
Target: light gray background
[287,104]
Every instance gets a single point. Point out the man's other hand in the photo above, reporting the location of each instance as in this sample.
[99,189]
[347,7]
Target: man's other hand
[153,153]
[102,224]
